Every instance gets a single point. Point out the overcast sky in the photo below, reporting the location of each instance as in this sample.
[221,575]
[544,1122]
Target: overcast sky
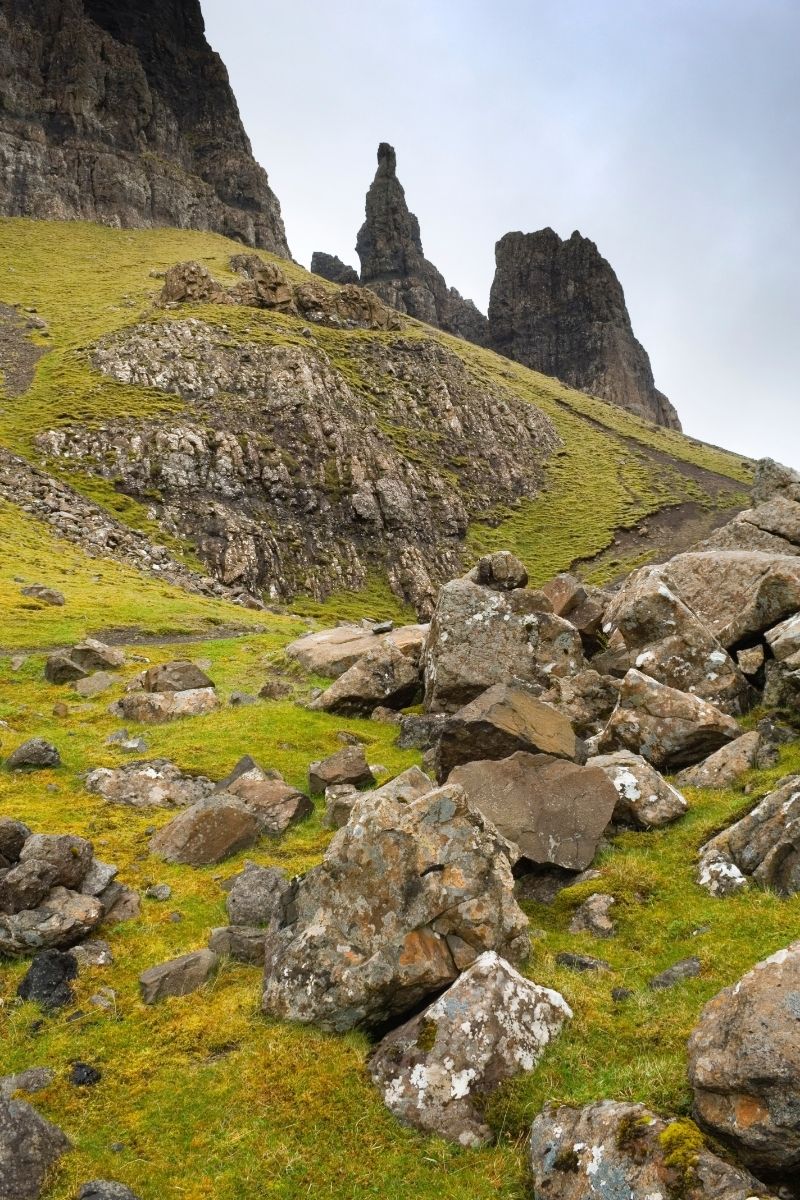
[668,133]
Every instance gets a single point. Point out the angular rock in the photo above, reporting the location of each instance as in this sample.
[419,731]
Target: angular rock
[12,838]
[437,1071]
[554,811]
[725,766]
[157,783]
[178,977]
[26,885]
[480,637]
[48,978]
[94,685]
[331,652]
[35,1079]
[36,752]
[764,846]
[751,661]
[406,897]
[581,962]
[61,668]
[156,708]
[672,645]
[256,895]
[120,903]
[669,728]
[70,856]
[382,676]
[209,832]
[784,639]
[645,799]
[586,699]
[340,799]
[782,684]
[93,953]
[744,1066]
[330,267]
[420,731]
[687,968]
[178,676]
[92,655]
[614,1149]
[593,916]
[502,571]
[245,943]
[97,878]
[276,804]
[346,766]
[190,283]
[60,920]
[29,1146]
[499,722]
[44,594]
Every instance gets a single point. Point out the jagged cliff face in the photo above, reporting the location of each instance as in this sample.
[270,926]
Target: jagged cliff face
[330,266]
[558,307]
[394,266]
[120,112]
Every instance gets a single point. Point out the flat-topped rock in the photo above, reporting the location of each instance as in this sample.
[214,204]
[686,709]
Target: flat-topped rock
[331,652]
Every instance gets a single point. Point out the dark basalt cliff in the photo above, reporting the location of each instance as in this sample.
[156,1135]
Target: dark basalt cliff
[331,267]
[120,112]
[394,266]
[558,307]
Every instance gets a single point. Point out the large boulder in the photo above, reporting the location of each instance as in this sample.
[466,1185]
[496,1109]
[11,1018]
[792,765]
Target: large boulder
[764,846]
[724,766]
[438,1070]
[500,721]
[672,644]
[61,668]
[407,896]
[68,855]
[29,1146]
[744,1066]
[644,798]
[61,919]
[331,652]
[481,636]
[382,676]
[156,708]
[178,676]
[554,810]
[669,728]
[92,655]
[157,783]
[621,1151]
[209,832]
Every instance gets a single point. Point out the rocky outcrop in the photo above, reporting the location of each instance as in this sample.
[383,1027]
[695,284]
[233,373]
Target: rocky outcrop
[394,266]
[763,846]
[331,267]
[123,114]
[286,477]
[558,307]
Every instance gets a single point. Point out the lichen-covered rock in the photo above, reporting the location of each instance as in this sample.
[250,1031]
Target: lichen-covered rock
[157,708]
[256,895]
[725,766]
[594,916]
[557,306]
[36,753]
[333,651]
[499,722]
[29,1146]
[621,1151]
[481,636]
[644,798]
[554,810]
[501,570]
[586,699]
[62,918]
[407,896]
[157,783]
[437,1071]
[381,676]
[94,655]
[667,727]
[763,846]
[744,1066]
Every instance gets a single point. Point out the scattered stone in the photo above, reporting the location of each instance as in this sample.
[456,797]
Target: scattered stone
[613,1150]
[244,943]
[94,685]
[46,595]
[388,716]
[120,903]
[36,752]
[47,980]
[84,1075]
[93,953]
[645,799]
[242,700]
[178,676]
[209,832]
[256,895]
[61,668]
[29,1146]
[593,916]
[621,994]
[276,804]
[499,722]
[581,962]
[553,810]
[725,766]
[383,676]
[154,784]
[687,968]
[158,891]
[764,845]
[407,896]
[178,977]
[275,689]
[346,766]
[744,1066]
[35,1079]
[123,740]
[331,652]
[156,708]
[437,1071]
[669,728]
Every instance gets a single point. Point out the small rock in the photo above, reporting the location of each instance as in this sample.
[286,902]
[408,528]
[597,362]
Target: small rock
[35,753]
[123,740]
[29,1146]
[61,668]
[105,1189]
[35,1079]
[346,766]
[178,977]
[687,968]
[84,1075]
[158,891]
[242,700]
[581,962]
[593,916]
[93,953]
[47,980]
[46,595]
[94,685]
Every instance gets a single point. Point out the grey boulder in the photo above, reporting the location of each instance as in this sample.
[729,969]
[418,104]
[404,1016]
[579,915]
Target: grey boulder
[35,753]
[209,832]
[764,846]
[644,798]
[29,1146]
[157,783]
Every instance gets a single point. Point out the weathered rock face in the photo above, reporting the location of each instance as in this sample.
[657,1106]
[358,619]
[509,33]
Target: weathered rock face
[744,1066]
[384,676]
[612,1149]
[394,266]
[724,766]
[437,1071]
[334,651]
[29,1146]
[558,307]
[644,798]
[157,783]
[281,473]
[331,267]
[764,846]
[121,113]
[406,897]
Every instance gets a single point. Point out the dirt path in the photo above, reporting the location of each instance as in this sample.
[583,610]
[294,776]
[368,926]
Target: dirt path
[18,354]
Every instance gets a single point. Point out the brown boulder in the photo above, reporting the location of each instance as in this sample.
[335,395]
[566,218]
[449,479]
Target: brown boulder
[331,652]
[178,676]
[644,798]
[276,804]
[156,708]
[381,676]
[178,977]
[346,766]
[210,831]
[724,766]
